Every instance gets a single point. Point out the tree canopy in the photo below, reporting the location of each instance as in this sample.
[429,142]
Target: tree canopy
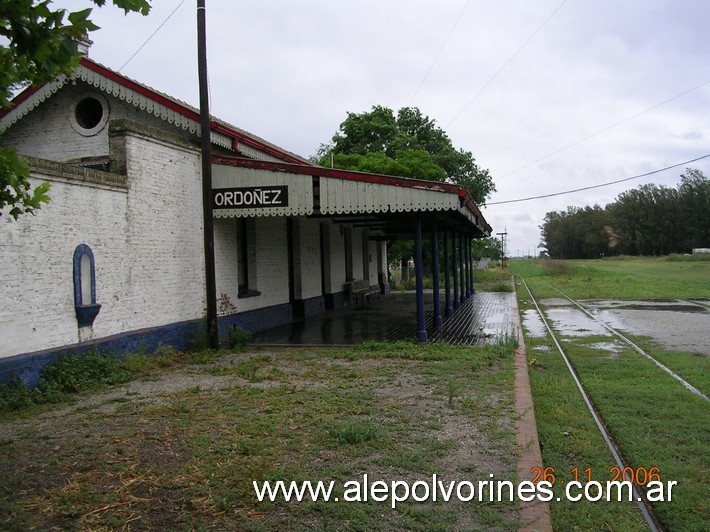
[39,43]
[648,220]
[408,144]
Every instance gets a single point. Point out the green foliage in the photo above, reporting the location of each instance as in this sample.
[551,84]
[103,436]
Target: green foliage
[237,337]
[15,396]
[79,373]
[486,248]
[16,192]
[199,338]
[352,432]
[38,44]
[501,287]
[409,145]
[65,377]
[627,278]
[650,220]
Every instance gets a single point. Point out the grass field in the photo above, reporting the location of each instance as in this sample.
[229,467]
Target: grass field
[631,278]
[654,420]
[178,444]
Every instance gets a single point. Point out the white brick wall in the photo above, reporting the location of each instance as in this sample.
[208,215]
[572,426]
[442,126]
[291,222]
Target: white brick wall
[271,265]
[336,261]
[51,122]
[36,253]
[147,245]
[164,232]
[357,254]
[307,260]
[226,264]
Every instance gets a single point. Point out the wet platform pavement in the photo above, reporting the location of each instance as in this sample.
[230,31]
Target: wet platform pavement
[483,318]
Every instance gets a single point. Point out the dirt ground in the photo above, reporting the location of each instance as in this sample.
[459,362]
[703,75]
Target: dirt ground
[179,448]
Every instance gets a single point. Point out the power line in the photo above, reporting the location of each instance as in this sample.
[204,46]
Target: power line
[598,186]
[628,119]
[439,53]
[151,35]
[505,65]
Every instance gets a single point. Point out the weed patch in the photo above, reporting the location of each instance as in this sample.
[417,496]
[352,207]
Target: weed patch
[187,459]
[353,432]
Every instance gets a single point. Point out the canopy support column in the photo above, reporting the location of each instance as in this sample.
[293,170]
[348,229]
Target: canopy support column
[448,311]
[454,271]
[419,274]
[435,276]
[462,271]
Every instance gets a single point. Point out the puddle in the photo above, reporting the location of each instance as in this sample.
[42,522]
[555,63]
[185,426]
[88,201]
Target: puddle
[573,322]
[653,304]
[533,324]
[613,348]
[542,349]
[555,302]
[674,324]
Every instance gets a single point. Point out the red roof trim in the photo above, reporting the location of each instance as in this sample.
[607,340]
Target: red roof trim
[187,112]
[337,173]
[17,100]
[351,175]
[167,102]
[140,89]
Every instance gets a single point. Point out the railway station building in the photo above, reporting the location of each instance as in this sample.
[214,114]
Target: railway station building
[115,261]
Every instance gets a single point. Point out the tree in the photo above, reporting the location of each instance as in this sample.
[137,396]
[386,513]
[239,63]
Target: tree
[648,220]
[38,44]
[409,145]
[694,191]
[486,248]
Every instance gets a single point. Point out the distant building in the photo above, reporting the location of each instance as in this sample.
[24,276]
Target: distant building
[116,259]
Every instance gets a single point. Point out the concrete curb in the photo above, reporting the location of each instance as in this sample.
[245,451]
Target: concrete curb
[534,515]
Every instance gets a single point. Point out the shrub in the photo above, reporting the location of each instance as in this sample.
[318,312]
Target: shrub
[237,337]
[79,373]
[15,396]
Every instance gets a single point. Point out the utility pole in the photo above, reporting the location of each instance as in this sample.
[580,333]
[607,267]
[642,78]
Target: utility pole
[208,220]
[502,248]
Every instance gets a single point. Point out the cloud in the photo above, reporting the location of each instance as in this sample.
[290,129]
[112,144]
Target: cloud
[290,72]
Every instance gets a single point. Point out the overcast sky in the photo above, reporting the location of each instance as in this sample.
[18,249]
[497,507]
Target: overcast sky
[549,95]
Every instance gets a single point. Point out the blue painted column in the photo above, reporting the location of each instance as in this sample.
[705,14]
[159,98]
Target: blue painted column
[454,271]
[469,269]
[419,274]
[462,269]
[449,310]
[435,276]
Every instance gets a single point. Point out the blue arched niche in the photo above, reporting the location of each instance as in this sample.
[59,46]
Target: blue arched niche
[85,286]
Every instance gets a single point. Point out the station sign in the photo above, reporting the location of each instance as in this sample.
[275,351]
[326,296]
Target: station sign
[250,197]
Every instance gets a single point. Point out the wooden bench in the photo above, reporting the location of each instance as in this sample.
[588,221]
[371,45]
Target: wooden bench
[361,291]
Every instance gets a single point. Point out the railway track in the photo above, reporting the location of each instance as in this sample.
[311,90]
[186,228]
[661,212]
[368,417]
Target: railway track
[616,333]
[638,495]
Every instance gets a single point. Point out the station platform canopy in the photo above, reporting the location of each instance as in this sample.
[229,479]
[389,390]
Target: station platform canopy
[246,188]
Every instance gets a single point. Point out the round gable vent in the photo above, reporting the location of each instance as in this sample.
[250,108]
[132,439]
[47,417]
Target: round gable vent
[89,114]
